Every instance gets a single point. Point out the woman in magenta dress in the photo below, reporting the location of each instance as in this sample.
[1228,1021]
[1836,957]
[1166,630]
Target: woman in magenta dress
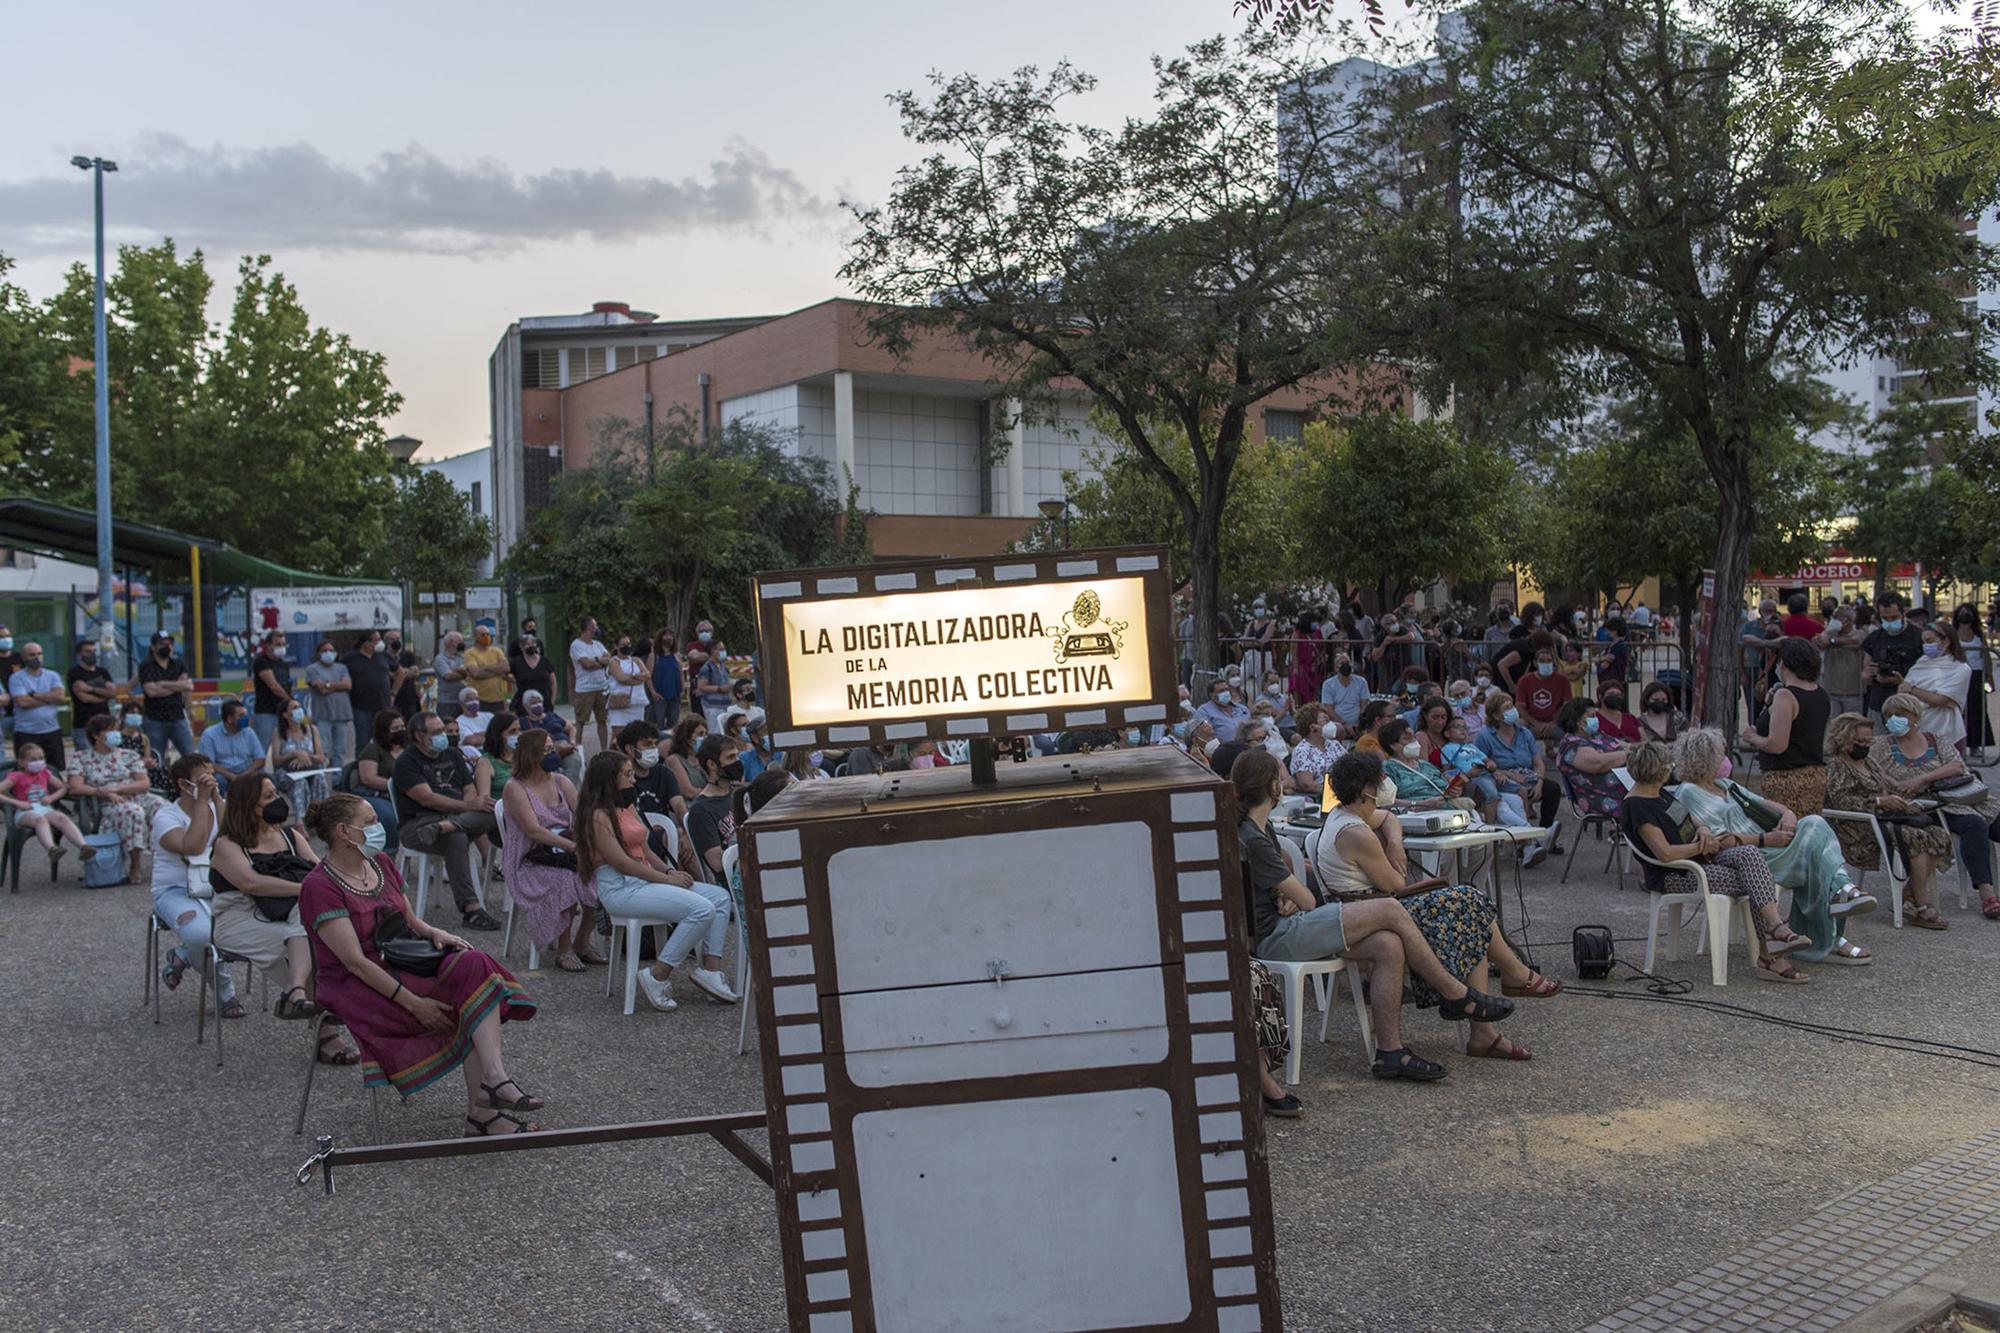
[412,1030]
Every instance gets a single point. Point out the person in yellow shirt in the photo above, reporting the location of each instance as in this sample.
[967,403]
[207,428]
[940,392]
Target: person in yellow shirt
[486,668]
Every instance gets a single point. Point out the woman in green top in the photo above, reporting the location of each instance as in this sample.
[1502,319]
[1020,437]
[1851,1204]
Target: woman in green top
[1420,784]
[496,764]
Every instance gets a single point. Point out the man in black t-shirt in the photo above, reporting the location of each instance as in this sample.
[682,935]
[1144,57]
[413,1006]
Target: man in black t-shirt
[164,686]
[407,678]
[1889,650]
[373,676]
[438,813]
[271,679]
[711,816]
[10,662]
[90,691]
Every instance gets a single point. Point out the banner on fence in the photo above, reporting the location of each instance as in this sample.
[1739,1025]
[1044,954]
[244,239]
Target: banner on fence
[354,606]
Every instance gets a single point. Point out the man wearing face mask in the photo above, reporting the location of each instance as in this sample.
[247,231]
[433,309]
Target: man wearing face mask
[449,664]
[1223,711]
[37,693]
[1396,648]
[1543,691]
[1343,693]
[329,699]
[232,746]
[1890,651]
[1840,658]
[91,693]
[439,811]
[271,678]
[10,662]
[165,687]
[486,669]
[640,742]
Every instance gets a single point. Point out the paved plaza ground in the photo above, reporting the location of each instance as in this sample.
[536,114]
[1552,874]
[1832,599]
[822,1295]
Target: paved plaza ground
[145,1187]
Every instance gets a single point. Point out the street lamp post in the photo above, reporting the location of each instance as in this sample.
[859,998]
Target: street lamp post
[1057,511]
[97,166]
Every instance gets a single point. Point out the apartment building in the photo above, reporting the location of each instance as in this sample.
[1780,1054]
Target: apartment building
[911,431]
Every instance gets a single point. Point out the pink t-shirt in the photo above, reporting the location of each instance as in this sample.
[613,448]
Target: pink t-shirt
[30,786]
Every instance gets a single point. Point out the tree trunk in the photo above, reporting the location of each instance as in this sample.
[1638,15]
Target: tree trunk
[1207,559]
[1738,513]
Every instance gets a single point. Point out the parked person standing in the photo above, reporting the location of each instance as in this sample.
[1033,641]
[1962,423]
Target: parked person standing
[405,679]
[626,701]
[38,693]
[1972,643]
[330,699]
[165,688]
[271,677]
[590,681]
[486,670]
[1839,645]
[712,686]
[373,676]
[91,693]
[532,671]
[449,664]
[1941,681]
[10,662]
[1891,649]
[666,675]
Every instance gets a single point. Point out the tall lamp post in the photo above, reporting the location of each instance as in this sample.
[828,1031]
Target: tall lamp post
[97,166]
[1057,511]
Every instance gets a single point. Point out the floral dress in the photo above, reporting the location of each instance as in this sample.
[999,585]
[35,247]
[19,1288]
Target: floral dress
[1591,793]
[1851,786]
[132,818]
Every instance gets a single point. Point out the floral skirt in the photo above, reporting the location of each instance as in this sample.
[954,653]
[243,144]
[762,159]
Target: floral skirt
[1801,790]
[1457,923]
[1267,1010]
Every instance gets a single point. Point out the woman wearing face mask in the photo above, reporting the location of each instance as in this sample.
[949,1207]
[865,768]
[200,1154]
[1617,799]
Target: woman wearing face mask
[118,778]
[495,768]
[681,764]
[1521,770]
[1613,722]
[1585,758]
[1913,764]
[378,761]
[1420,784]
[556,902]
[806,765]
[1318,747]
[629,699]
[1308,659]
[295,748]
[1659,720]
[413,1030]
[631,880]
[1793,732]
[1282,703]
[1916,838]
[258,863]
[531,670]
[329,698]
[1972,646]
[1803,853]
[1940,680]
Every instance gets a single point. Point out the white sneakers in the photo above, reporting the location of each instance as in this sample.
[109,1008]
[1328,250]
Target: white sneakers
[659,994]
[713,982]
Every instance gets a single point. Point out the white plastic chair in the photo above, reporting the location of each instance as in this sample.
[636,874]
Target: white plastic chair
[1897,883]
[632,925]
[415,867]
[1716,911]
[1324,973]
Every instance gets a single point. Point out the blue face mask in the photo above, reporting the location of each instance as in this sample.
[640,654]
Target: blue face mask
[374,839]
[1511,716]
[1896,726]
[439,742]
[816,758]
[1892,626]
[1590,725]
[1933,649]
[1545,668]
[6,642]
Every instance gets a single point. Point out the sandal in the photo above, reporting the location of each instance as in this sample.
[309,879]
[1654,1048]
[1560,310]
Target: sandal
[1537,987]
[1853,902]
[344,1053]
[1500,1048]
[172,970]
[481,1128]
[1848,954]
[233,1009]
[481,919]
[590,957]
[1989,906]
[1477,1006]
[288,1008]
[1776,945]
[1772,968]
[1925,917]
[524,1102]
[569,962]
[1403,1063]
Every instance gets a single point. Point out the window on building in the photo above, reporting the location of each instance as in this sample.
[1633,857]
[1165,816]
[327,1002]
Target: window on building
[1280,425]
[585,363]
[541,368]
[633,355]
[477,508]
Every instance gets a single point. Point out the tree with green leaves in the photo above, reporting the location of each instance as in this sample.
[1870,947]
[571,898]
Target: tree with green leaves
[1608,227]
[1180,268]
[1395,505]
[267,433]
[1122,502]
[436,539]
[682,536]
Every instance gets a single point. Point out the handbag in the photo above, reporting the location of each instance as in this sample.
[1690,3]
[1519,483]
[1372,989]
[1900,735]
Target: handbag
[1962,791]
[1763,816]
[404,951]
[541,854]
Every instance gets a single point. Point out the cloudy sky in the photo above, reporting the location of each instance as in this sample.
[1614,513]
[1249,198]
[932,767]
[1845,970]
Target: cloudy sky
[428,172]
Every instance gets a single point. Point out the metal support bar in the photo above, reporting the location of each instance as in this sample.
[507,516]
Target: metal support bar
[722,1128]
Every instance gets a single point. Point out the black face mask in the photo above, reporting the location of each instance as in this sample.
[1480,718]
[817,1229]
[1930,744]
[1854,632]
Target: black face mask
[1615,702]
[628,796]
[733,771]
[1656,705]
[1857,752]
[277,810]
[164,651]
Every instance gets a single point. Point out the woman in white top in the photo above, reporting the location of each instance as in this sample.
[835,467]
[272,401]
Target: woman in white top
[1939,680]
[182,835]
[1972,640]
[1316,750]
[471,722]
[629,683]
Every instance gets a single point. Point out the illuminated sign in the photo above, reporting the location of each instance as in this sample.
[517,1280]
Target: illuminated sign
[1053,642]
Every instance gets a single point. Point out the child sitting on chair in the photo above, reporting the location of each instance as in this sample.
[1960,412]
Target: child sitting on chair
[33,791]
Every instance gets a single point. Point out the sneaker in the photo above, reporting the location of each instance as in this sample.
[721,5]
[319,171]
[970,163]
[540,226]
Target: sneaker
[659,994]
[1287,1107]
[1536,853]
[714,983]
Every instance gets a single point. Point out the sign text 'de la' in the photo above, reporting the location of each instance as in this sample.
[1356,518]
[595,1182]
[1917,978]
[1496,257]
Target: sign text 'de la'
[1011,644]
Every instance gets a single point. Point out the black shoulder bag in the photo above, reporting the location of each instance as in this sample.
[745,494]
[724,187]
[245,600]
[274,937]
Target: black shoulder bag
[404,950]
